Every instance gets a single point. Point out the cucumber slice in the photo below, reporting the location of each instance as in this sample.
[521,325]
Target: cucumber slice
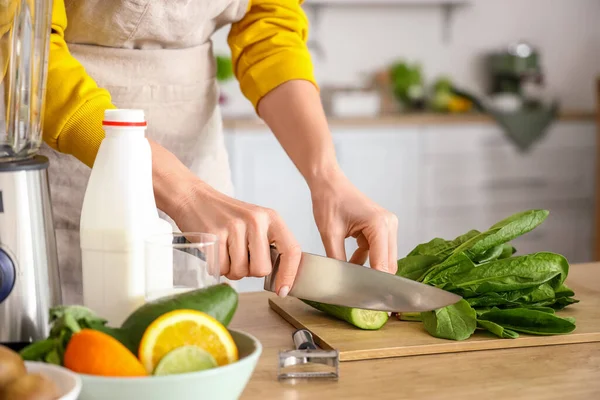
[363,319]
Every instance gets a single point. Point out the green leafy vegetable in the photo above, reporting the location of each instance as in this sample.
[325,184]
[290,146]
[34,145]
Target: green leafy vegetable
[502,293]
[510,274]
[530,321]
[510,228]
[507,251]
[412,267]
[489,255]
[456,322]
[497,330]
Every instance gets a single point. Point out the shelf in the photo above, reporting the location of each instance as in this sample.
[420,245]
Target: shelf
[370,3]
[407,119]
[447,8]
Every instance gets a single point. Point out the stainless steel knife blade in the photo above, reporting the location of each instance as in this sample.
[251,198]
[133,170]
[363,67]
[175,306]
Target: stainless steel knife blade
[331,281]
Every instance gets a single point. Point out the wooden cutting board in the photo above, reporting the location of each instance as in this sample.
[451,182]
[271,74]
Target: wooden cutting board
[401,338]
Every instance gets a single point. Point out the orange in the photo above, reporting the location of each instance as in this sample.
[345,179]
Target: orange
[96,353]
[186,328]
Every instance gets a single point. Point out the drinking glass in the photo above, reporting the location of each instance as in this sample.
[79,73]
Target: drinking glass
[180,261]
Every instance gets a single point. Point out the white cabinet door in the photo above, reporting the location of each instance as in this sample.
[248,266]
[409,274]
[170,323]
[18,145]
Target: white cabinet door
[383,163]
[463,169]
[473,176]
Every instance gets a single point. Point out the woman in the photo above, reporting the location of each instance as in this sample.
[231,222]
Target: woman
[157,55]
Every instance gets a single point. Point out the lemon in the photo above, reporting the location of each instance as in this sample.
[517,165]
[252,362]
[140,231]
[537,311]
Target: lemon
[186,328]
[185,359]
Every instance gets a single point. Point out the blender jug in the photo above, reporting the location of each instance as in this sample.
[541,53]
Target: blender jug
[24,40]
[29,280]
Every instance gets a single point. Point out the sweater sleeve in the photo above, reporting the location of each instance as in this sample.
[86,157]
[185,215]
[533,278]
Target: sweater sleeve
[75,105]
[268,47]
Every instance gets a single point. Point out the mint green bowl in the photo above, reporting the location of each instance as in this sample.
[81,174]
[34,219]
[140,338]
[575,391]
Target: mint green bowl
[222,383]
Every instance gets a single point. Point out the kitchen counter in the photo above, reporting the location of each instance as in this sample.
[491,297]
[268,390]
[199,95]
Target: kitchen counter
[550,372]
[406,119]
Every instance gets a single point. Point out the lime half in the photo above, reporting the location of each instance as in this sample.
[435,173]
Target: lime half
[185,359]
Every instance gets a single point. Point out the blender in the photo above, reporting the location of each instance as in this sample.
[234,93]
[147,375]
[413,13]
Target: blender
[29,278]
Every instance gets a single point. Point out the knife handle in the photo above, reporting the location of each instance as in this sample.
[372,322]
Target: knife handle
[272,277]
[303,340]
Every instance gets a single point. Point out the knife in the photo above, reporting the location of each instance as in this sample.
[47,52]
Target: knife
[327,280]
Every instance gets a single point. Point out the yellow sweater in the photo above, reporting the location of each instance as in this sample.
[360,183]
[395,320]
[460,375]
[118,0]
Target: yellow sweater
[268,48]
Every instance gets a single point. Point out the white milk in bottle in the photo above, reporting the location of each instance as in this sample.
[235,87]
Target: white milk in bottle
[119,213]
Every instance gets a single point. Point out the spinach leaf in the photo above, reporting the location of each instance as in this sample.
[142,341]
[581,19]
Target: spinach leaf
[540,294]
[529,321]
[457,242]
[455,264]
[563,291]
[442,248]
[413,267]
[507,230]
[489,255]
[563,302]
[431,248]
[497,330]
[526,220]
[515,273]
[493,299]
[548,310]
[507,251]
[455,322]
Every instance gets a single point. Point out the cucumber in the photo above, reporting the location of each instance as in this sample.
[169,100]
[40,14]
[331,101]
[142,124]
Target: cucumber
[363,319]
[219,301]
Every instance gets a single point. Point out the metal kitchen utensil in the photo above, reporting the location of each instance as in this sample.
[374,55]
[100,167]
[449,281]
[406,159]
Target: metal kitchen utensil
[29,274]
[331,281]
[307,361]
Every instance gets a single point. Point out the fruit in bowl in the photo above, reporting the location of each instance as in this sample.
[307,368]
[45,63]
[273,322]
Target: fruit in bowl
[171,343]
[222,382]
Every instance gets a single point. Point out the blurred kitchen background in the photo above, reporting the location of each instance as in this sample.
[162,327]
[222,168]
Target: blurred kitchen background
[452,114]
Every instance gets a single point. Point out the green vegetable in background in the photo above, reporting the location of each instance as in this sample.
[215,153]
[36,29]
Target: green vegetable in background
[224,68]
[407,82]
[502,293]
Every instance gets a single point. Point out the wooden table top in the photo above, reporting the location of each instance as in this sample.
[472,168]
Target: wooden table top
[549,372]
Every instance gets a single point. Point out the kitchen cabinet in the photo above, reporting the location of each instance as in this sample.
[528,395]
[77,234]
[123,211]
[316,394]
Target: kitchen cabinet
[439,179]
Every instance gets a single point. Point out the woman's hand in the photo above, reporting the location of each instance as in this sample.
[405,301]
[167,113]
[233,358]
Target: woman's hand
[294,113]
[342,211]
[245,231]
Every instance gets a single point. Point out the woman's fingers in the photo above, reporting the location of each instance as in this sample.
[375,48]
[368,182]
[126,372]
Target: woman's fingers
[224,261]
[393,244]
[258,244]
[289,251]
[237,245]
[362,252]
[378,238]
[334,245]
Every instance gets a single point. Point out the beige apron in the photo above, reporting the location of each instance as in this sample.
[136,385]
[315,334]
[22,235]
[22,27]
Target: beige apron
[155,55]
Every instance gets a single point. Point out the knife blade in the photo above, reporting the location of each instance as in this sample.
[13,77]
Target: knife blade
[340,283]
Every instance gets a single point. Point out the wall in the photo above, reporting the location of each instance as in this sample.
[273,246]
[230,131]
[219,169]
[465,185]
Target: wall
[360,40]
